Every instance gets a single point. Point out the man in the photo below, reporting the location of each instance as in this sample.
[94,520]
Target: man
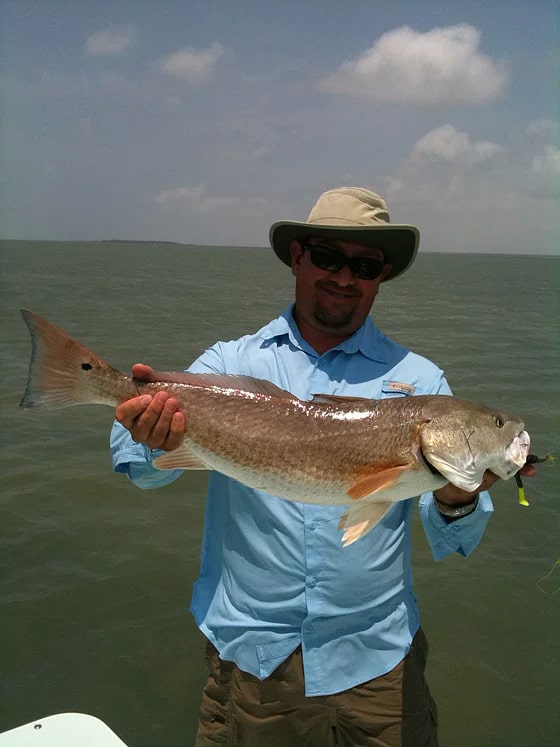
[310,643]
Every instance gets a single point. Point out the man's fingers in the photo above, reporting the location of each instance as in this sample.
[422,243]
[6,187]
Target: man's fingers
[141,371]
[164,411]
[176,432]
[488,480]
[528,470]
[127,412]
[144,424]
[155,421]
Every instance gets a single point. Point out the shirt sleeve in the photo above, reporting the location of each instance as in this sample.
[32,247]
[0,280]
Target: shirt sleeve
[135,460]
[462,535]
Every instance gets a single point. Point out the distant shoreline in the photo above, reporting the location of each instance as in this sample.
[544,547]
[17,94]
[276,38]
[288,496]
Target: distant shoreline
[129,242]
[134,241]
[157,242]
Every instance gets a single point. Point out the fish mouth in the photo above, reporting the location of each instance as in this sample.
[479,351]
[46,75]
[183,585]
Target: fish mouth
[516,455]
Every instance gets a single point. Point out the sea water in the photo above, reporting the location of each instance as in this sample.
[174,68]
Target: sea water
[96,575]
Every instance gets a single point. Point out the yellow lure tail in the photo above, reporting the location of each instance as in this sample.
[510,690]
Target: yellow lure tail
[521,497]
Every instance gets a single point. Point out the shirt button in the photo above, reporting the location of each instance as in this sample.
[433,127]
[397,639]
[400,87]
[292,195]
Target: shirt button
[312,583]
[313,525]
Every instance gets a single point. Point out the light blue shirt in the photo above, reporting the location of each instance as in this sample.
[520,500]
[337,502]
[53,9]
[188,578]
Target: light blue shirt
[273,573]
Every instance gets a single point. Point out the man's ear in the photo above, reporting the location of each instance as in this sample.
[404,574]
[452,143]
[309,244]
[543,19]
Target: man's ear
[296,253]
[386,270]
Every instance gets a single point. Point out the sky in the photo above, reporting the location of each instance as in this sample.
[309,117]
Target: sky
[205,121]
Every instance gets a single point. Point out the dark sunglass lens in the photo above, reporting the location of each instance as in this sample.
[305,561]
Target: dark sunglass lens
[331,260]
[367,269]
[326,258]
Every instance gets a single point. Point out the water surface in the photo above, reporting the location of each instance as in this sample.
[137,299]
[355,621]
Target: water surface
[97,575]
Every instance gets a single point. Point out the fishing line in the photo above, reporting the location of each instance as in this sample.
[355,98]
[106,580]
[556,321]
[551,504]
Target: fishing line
[550,583]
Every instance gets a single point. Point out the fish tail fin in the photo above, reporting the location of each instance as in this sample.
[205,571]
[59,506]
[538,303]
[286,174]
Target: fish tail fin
[62,372]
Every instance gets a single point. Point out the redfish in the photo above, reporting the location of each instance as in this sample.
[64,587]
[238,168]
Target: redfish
[364,454]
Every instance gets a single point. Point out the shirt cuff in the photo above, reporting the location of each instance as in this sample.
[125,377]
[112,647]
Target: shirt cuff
[135,461]
[460,536]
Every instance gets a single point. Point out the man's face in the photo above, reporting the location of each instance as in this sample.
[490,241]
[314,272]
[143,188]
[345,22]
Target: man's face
[333,303]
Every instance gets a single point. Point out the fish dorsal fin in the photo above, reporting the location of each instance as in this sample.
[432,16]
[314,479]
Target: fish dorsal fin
[372,480]
[241,383]
[180,458]
[338,399]
[359,520]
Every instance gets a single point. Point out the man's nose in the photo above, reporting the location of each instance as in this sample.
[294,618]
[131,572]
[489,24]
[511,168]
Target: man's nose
[344,276]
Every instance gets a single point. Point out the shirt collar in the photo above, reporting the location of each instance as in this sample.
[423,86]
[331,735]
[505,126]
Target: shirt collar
[367,340]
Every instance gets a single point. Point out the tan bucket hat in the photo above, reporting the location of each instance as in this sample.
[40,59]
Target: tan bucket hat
[351,214]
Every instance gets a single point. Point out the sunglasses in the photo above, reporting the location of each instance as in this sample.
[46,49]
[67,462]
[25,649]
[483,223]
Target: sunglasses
[326,258]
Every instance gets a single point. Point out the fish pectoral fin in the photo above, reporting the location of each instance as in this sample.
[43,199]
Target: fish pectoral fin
[181,458]
[372,481]
[359,520]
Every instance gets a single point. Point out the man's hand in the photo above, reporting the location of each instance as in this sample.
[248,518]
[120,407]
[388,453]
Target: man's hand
[153,420]
[451,495]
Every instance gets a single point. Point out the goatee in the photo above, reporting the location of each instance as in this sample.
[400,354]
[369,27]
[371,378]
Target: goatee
[333,319]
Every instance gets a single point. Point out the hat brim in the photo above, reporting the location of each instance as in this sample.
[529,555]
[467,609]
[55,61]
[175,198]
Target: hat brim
[399,243]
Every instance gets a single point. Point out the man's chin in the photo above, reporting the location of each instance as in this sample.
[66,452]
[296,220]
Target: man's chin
[334,321]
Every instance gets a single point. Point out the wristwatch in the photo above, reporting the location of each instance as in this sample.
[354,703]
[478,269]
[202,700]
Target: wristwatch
[456,512]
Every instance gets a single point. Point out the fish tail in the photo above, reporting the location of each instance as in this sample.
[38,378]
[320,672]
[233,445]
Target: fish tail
[62,372]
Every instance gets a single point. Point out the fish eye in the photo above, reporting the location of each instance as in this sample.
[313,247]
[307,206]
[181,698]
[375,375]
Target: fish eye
[499,421]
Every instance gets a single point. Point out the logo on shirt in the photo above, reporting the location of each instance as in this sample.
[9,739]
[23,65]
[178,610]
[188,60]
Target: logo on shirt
[399,386]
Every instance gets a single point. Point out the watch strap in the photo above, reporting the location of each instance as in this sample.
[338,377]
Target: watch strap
[456,512]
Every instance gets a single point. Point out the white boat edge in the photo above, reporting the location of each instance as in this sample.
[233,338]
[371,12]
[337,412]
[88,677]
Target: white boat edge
[62,730]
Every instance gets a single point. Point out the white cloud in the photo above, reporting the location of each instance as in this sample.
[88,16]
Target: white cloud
[114,40]
[260,151]
[441,66]
[543,127]
[195,65]
[448,144]
[544,174]
[192,198]
[510,204]
[547,162]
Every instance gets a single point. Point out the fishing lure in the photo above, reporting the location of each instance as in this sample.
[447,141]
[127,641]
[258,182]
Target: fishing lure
[531,459]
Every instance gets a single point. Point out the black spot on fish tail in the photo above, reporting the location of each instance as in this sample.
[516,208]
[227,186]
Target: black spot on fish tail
[87,366]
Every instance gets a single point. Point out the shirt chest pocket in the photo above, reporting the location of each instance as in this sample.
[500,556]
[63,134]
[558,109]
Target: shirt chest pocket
[391,388]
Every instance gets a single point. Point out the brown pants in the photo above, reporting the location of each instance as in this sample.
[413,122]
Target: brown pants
[395,710]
